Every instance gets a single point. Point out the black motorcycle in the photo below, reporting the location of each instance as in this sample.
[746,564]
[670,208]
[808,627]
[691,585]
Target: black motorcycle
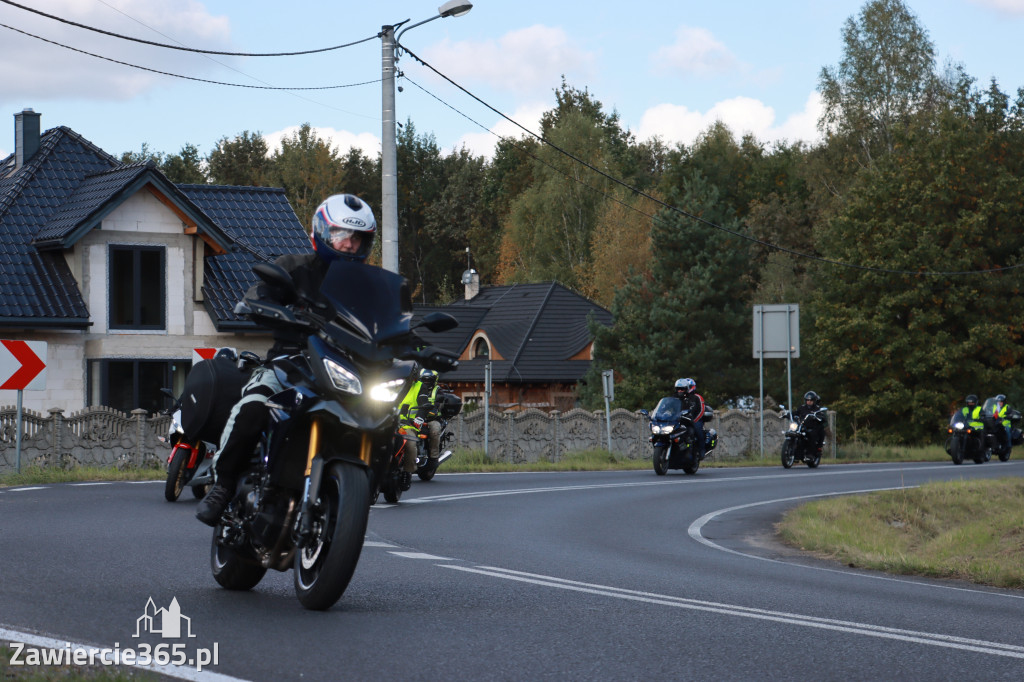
[800,444]
[996,439]
[449,407]
[304,501]
[966,441]
[674,438]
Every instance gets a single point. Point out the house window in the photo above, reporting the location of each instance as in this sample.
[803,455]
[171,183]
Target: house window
[127,384]
[136,287]
[481,349]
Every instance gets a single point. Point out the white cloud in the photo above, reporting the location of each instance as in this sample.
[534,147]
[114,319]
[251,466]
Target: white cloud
[677,124]
[695,51]
[529,60]
[1007,6]
[341,140]
[37,69]
[482,144]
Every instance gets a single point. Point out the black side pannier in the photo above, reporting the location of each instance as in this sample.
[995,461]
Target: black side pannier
[211,390]
[451,405]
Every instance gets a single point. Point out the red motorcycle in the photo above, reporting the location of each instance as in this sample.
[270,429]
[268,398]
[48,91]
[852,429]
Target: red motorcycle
[190,464]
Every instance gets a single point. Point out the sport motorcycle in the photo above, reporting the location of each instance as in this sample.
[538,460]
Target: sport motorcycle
[303,502]
[674,438]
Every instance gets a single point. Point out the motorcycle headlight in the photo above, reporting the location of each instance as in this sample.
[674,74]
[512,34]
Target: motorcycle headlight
[793,426]
[387,392]
[343,379]
[959,426]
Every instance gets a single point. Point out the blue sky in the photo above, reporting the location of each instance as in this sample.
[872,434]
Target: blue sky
[669,68]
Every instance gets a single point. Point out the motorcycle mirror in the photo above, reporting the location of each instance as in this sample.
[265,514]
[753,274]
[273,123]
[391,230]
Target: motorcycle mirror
[277,277]
[438,322]
[168,392]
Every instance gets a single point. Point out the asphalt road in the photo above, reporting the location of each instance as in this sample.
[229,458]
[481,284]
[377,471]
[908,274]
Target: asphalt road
[568,576]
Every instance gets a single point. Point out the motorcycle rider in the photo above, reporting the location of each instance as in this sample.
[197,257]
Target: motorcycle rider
[693,407]
[972,413]
[343,226]
[999,418]
[815,428]
[417,410]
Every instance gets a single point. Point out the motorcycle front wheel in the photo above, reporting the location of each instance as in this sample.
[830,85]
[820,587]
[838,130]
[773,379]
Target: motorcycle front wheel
[788,453]
[177,474]
[660,460]
[956,450]
[324,567]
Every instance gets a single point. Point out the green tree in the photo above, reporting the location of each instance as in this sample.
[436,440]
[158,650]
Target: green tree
[901,349]
[185,167]
[241,161]
[690,315]
[886,73]
[309,170]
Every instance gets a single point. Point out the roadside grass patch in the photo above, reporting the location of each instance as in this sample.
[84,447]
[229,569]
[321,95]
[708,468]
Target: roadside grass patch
[967,530]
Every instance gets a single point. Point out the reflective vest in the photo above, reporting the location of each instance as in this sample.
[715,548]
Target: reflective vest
[974,416]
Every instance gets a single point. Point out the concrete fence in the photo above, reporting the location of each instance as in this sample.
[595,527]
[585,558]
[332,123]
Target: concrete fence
[102,436]
[95,436]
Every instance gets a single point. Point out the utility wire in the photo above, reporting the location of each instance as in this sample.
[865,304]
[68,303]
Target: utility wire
[678,210]
[228,66]
[175,75]
[179,47]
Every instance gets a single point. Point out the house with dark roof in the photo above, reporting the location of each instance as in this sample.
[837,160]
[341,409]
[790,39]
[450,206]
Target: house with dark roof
[120,271]
[534,336]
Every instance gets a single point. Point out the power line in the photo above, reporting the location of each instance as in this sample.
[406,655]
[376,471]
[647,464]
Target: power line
[175,75]
[675,209]
[180,47]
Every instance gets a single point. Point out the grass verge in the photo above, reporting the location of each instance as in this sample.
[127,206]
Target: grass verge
[968,530]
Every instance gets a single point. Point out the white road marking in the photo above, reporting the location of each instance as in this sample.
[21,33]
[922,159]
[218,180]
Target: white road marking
[79,485]
[180,673]
[697,526]
[371,543]
[866,629]
[420,555]
[681,480]
[21,490]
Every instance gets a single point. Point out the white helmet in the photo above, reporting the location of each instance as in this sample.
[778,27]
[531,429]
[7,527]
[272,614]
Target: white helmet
[343,226]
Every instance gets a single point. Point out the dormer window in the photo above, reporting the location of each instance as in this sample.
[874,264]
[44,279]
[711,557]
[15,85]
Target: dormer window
[481,349]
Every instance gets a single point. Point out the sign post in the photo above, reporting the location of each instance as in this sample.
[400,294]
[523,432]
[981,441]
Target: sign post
[487,405]
[776,335]
[22,367]
[608,384]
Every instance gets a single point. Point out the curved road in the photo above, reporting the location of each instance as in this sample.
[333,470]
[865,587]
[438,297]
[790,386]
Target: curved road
[576,576]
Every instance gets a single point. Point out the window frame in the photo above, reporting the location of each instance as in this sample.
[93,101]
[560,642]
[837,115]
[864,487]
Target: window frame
[136,287]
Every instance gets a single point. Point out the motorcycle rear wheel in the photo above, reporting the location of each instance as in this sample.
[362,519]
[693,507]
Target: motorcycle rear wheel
[788,453]
[691,467]
[324,567]
[177,475]
[1005,456]
[230,570]
[660,459]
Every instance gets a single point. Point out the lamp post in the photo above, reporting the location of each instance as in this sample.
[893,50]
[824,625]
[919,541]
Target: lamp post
[389,146]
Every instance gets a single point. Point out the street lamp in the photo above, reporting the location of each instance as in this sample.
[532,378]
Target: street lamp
[389,146]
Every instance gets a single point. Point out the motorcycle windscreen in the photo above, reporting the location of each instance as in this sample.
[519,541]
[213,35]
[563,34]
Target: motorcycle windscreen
[371,301]
[668,410]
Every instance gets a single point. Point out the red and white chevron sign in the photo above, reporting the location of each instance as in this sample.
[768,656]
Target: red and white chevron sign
[22,365]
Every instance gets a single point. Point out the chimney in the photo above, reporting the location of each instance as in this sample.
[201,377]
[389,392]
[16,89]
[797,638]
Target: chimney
[26,137]
[471,278]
